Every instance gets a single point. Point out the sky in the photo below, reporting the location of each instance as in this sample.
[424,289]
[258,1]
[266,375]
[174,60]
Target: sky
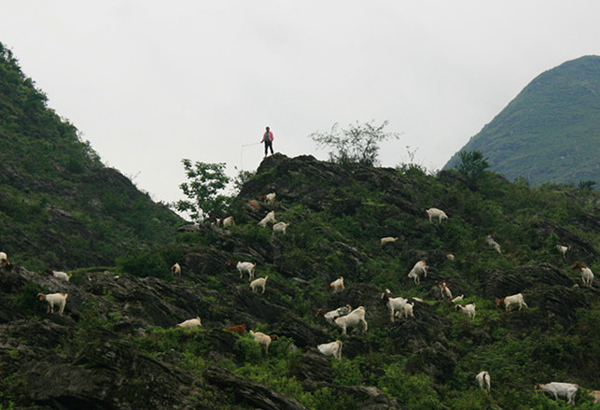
[149,83]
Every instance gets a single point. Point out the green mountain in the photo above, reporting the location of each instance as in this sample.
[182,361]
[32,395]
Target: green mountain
[59,206]
[551,131]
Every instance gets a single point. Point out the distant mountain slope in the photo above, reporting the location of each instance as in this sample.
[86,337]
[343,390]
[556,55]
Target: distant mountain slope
[59,206]
[551,131]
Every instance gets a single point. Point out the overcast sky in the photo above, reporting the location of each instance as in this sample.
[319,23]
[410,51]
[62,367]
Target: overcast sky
[149,83]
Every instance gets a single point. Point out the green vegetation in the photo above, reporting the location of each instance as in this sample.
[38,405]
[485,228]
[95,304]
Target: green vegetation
[549,132]
[55,192]
[357,144]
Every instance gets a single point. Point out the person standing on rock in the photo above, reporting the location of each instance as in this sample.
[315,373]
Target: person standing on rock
[268,140]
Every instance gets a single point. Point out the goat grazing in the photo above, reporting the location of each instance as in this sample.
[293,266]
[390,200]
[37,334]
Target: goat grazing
[512,300]
[557,389]
[563,250]
[244,267]
[393,304]
[419,268]
[337,285]
[331,349]
[333,314]
[468,310]
[270,218]
[280,227]
[229,221]
[176,269]
[59,275]
[258,283]
[406,311]
[352,319]
[587,276]
[263,339]
[387,239]
[491,242]
[191,323]
[436,213]
[239,329]
[54,299]
[484,380]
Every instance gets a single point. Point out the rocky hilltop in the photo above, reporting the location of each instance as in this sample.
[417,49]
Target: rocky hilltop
[116,346]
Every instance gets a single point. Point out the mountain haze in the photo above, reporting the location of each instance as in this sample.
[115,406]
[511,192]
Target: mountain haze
[550,132]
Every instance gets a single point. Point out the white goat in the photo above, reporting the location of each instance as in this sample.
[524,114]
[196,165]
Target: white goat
[59,275]
[387,239]
[54,299]
[258,283]
[333,314]
[229,221]
[458,299]
[270,198]
[270,218]
[563,250]
[280,227]
[4,260]
[436,213]
[512,300]
[191,323]
[587,276]
[352,319]
[468,310]
[331,349]
[419,268]
[446,292]
[337,285]
[263,339]
[484,380]
[406,311]
[491,242]
[449,256]
[557,389]
[176,269]
[393,304]
[246,267]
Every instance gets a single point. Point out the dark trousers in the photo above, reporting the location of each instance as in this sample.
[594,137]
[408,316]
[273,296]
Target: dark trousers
[268,144]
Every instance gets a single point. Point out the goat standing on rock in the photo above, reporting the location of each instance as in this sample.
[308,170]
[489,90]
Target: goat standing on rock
[512,300]
[59,275]
[258,283]
[352,319]
[587,276]
[419,268]
[337,285]
[331,349]
[54,299]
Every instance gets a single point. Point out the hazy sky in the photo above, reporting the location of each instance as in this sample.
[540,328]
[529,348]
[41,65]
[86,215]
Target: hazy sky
[149,83]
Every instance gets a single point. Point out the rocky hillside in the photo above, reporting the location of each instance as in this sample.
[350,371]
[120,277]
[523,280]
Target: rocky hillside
[59,205]
[116,346]
[549,133]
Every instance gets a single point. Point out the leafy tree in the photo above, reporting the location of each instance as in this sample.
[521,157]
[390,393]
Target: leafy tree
[206,181]
[472,164]
[357,144]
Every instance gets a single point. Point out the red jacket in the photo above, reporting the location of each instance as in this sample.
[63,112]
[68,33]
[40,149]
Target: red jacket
[270,134]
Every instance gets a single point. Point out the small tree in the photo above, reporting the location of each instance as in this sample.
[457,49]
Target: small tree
[472,164]
[357,144]
[206,181]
